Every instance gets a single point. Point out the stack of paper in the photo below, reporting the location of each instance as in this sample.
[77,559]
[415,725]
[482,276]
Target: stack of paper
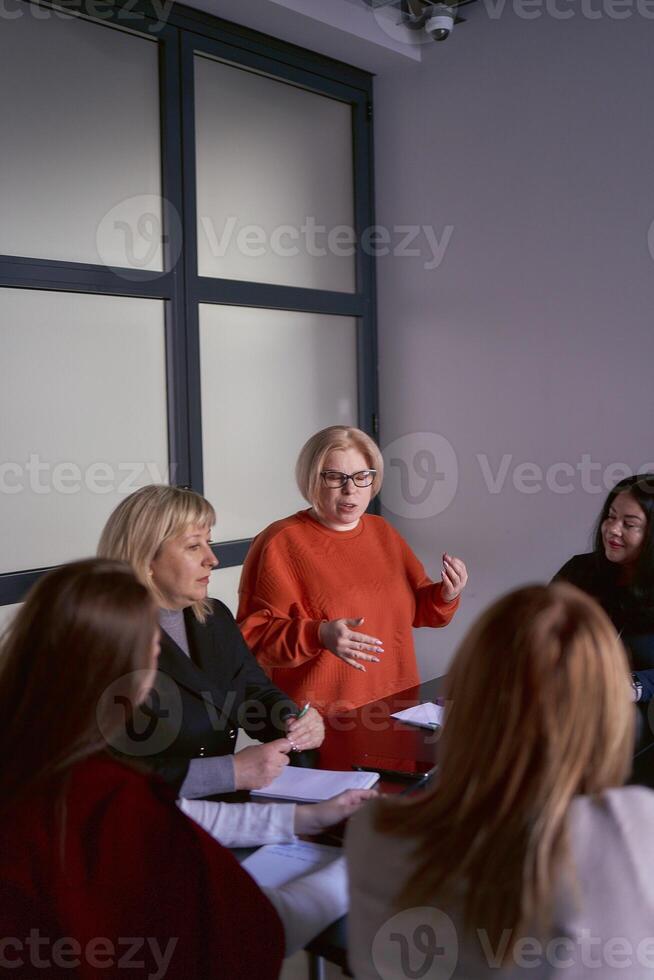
[427,715]
[314,785]
[276,864]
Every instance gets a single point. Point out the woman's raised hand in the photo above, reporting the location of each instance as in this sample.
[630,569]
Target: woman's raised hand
[454,576]
[339,637]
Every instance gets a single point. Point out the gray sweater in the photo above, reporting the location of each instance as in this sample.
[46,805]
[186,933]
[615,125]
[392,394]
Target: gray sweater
[205,777]
[606,933]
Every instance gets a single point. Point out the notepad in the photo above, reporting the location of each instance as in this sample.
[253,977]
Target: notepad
[427,715]
[314,785]
[276,864]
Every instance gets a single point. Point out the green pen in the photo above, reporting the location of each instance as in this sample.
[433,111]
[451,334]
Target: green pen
[297,717]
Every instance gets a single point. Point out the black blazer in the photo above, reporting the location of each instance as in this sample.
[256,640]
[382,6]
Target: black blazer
[197,704]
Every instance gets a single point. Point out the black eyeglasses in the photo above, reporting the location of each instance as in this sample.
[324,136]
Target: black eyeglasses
[335,479]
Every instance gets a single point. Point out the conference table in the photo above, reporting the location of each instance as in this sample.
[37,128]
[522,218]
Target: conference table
[369,736]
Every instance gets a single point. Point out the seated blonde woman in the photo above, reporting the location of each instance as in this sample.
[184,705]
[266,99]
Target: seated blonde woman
[329,596]
[527,852]
[208,684]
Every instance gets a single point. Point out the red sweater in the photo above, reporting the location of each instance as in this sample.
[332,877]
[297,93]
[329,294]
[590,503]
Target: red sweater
[299,573]
[142,891]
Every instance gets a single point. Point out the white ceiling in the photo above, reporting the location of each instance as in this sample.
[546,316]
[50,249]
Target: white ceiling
[344,29]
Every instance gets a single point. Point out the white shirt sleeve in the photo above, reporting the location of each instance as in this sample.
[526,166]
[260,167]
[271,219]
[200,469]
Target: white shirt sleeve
[309,904]
[243,824]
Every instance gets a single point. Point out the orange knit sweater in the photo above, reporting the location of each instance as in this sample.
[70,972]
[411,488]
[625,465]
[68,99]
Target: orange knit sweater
[299,573]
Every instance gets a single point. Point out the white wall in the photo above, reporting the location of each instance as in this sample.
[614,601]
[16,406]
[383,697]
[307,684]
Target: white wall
[533,337]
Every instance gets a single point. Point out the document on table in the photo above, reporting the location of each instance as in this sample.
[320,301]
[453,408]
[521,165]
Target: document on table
[427,715]
[275,864]
[314,785]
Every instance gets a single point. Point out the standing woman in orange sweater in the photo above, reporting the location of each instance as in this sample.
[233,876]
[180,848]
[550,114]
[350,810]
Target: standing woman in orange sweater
[329,596]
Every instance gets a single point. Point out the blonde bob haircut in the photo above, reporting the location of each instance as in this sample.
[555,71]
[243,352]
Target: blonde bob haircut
[315,451]
[142,522]
[538,711]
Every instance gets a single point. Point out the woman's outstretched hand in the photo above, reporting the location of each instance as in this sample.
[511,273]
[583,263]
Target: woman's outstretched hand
[339,637]
[454,576]
[311,818]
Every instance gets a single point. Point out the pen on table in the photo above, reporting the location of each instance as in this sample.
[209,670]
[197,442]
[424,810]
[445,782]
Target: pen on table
[424,780]
[391,773]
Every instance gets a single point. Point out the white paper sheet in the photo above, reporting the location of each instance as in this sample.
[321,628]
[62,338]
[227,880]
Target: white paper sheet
[275,864]
[426,715]
[314,785]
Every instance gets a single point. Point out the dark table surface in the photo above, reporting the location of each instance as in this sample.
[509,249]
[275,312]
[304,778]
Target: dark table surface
[368,736]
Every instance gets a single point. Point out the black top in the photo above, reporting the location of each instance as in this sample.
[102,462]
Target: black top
[198,703]
[632,617]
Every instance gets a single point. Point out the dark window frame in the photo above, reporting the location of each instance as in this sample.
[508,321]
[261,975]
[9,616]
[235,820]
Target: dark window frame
[179,286]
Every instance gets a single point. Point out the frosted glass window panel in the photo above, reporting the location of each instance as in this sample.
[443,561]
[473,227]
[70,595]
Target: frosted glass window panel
[275,181]
[82,418]
[79,155]
[224,586]
[7,613]
[270,379]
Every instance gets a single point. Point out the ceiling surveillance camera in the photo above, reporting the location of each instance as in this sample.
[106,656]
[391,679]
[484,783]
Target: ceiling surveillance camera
[440,22]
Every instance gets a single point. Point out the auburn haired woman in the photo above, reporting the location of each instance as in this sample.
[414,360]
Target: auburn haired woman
[95,851]
[92,851]
[528,843]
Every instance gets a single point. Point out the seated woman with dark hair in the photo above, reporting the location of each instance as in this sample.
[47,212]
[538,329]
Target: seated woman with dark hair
[527,853]
[619,573]
[95,851]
